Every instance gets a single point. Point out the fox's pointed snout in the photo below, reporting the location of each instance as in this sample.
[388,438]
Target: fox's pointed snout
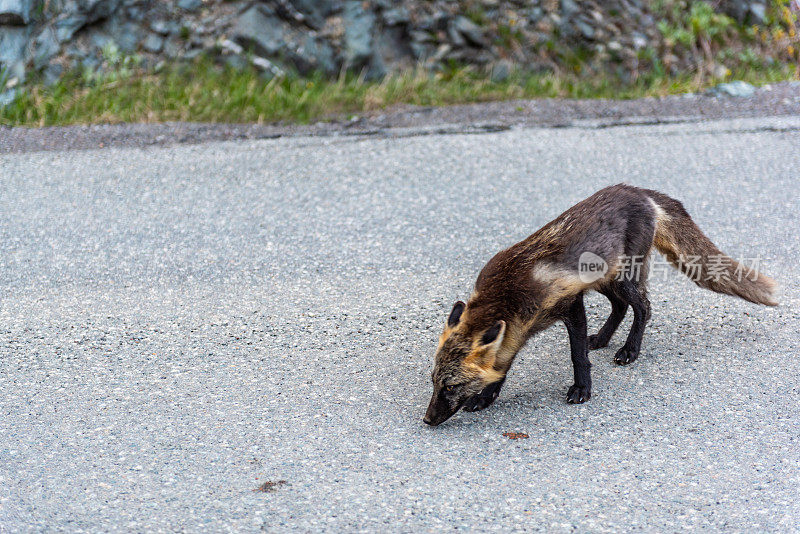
[438,411]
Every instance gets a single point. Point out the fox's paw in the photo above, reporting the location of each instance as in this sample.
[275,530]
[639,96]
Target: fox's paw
[595,342]
[624,356]
[579,394]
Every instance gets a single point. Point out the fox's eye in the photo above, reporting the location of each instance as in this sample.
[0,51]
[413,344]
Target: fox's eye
[450,389]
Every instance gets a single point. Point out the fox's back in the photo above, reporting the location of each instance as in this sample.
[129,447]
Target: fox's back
[611,223]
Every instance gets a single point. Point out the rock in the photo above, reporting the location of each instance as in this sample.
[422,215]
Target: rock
[586,29]
[471,31]
[420,36]
[45,46]
[455,37]
[501,70]
[125,34]
[135,13]
[359,24]
[758,13]
[394,47]
[96,10]
[100,39]
[267,67]
[236,62]
[67,26]
[639,40]
[737,89]
[190,5]
[396,16]
[172,49]
[259,31]
[313,54]
[420,50]
[87,12]
[90,63]
[192,54]
[52,74]
[8,97]
[569,8]
[534,14]
[153,43]
[436,22]
[15,12]
[359,42]
[13,53]
[745,12]
[161,27]
[312,12]
[229,47]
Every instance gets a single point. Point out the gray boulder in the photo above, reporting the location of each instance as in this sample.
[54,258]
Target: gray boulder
[52,73]
[501,70]
[259,31]
[95,10]
[359,25]
[153,43]
[471,31]
[45,46]
[569,8]
[162,27]
[13,53]
[745,11]
[190,5]
[396,16]
[359,42]
[69,25]
[309,12]
[126,35]
[738,89]
[313,54]
[394,46]
[17,12]
[79,13]
[7,97]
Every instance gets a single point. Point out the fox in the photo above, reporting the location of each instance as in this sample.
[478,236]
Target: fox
[542,280]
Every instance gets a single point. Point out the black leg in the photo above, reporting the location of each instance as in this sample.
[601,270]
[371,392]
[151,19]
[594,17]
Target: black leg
[485,398]
[636,295]
[618,309]
[575,321]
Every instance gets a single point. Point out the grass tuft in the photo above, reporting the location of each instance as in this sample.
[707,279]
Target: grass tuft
[204,92]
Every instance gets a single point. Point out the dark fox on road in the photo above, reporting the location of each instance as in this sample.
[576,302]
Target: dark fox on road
[528,287]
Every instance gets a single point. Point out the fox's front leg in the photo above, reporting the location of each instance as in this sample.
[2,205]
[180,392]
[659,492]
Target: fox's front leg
[575,320]
[485,398]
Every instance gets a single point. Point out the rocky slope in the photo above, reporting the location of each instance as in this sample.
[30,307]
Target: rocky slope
[45,38]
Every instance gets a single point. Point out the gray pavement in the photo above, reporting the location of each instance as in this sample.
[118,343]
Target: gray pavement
[180,326]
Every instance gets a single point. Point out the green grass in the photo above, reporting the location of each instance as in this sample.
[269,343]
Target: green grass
[205,93]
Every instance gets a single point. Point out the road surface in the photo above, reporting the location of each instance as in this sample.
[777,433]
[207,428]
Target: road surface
[183,326]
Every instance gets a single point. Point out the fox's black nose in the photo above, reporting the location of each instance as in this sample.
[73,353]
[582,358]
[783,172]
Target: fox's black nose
[427,420]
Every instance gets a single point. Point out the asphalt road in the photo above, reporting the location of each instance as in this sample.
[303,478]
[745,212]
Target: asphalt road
[181,325]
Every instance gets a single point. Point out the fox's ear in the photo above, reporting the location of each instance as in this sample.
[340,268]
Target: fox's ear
[485,354]
[494,336]
[455,315]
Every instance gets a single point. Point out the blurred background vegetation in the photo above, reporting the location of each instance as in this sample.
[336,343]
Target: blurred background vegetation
[80,61]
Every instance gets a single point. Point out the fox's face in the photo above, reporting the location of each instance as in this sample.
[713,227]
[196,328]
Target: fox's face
[464,365]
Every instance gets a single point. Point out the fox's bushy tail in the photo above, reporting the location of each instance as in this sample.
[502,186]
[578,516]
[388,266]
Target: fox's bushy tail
[687,248]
